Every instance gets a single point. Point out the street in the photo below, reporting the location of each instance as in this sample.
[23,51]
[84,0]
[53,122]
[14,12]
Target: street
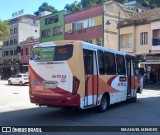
[16,110]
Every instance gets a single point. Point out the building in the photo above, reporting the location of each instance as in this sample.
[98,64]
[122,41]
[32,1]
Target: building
[26,48]
[85,25]
[52,27]
[1,60]
[113,13]
[140,35]
[20,28]
[137,6]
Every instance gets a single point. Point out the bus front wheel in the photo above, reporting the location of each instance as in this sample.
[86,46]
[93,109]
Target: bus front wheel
[104,104]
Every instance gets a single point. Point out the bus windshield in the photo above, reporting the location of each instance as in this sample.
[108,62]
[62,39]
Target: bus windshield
[54,53]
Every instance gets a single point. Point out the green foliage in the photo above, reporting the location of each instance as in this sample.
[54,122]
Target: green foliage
[76,6]
[45,7]
[4,30]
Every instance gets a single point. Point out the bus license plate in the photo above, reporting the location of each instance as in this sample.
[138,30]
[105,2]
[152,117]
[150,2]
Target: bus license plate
[50,84]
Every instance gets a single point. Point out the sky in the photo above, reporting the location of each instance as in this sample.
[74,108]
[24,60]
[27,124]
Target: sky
[8,7]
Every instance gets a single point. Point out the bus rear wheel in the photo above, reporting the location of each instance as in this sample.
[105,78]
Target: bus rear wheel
[104,104]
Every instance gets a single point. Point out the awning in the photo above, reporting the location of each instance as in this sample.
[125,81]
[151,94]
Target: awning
[150,62]
[25,65]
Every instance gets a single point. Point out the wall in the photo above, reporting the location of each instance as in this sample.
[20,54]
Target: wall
[129,30]
[50,26]
[155,26]
[26,29]
[142,49]
[111,13]
[89,33]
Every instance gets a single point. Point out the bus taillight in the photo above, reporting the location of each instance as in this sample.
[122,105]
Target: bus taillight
[75,85]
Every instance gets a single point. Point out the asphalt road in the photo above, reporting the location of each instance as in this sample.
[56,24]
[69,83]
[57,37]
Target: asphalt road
[16,110]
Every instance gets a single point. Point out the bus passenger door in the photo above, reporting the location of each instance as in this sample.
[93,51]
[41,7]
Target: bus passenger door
[90,67]
[128,65]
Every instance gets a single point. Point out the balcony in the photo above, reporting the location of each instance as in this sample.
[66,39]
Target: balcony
[155,44]
[127,47]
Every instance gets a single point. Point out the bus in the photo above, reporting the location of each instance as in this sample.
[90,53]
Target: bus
[71,73]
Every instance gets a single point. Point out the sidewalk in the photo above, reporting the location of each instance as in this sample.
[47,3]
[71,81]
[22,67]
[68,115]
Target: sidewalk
[152,86]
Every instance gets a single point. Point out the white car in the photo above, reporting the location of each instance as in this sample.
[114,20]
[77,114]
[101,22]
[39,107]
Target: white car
[19,79]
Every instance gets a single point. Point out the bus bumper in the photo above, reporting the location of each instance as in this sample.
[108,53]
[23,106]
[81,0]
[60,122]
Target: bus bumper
[56,101]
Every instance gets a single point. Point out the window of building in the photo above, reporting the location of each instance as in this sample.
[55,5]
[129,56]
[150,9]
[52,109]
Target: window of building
[6,43]
[11,42]
[77,25]
[83,24]
[110,65]
[46,33]
[91,22]
[50,20]
[15,30]
[11,31]
[22,52]
[11,52]
[26,51]
[6,53]
[120,64]
[143,38]
[98,41]
[14,52]
[57,30]
[101,63]
[88,41]
[15,41]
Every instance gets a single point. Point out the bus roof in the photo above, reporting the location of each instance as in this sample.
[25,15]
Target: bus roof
[85,45]
[96,47]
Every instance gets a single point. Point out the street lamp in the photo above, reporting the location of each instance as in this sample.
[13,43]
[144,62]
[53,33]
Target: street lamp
[108,23]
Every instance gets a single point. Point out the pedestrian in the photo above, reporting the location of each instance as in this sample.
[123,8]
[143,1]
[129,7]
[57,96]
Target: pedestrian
[145,79]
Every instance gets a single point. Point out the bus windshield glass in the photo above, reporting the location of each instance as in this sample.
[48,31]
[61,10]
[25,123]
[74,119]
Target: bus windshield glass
[55,53]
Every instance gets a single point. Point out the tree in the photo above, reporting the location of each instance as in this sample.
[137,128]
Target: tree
[4,30]
[88,3]
[45,7]
[75,6]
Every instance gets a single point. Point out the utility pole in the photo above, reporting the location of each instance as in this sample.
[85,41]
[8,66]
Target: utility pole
[118,31]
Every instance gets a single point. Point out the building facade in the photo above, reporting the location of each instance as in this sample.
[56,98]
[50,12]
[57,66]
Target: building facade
[20,28]
[140,35]
[1,60]
[85,25]
[113,13]
[137,6]
[52,27]
[26,48]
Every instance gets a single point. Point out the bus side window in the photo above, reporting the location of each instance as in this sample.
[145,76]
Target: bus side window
[110,65]
[120,64]
[88,61]
[101,63]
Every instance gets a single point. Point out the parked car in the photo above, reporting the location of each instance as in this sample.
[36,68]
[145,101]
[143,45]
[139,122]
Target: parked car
[19,79]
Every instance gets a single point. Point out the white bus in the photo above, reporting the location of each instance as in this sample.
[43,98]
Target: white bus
[78,74]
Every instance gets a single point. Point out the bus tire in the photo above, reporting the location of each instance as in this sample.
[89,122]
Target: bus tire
[104,104]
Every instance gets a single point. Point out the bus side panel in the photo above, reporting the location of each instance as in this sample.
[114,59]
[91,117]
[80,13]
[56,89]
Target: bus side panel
[77,67]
